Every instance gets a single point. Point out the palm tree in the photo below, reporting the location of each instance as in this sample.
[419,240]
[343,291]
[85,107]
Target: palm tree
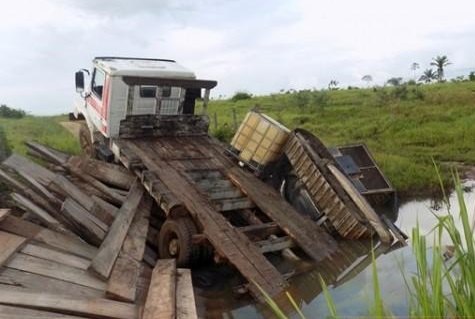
[333,85]
[440,62]
[428,75]
[414,67]
[367,78]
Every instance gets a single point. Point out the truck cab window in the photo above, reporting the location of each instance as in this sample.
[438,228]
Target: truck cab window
[148,91]
[98,79]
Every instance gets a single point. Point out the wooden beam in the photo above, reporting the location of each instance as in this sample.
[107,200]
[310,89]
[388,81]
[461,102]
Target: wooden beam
[52,155]
[109,173]
[38,172]
[229,204]
[9,245]
[55,270]
[8,312]
[103,262]
[97,307]
[4,212]
[275,244]
[185,297]
[161,295]
[56,256]
[88,227]
[25,281]
[60,241]
[122,284]
[39,212]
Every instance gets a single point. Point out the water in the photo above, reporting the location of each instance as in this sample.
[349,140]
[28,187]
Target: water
[349,276]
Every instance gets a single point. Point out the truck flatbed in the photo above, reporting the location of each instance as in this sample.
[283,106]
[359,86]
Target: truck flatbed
[192,175]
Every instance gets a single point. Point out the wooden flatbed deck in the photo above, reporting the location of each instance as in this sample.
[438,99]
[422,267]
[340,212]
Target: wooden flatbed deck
[192,175]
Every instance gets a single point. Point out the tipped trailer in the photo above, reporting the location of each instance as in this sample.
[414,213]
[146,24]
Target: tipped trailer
[141,112]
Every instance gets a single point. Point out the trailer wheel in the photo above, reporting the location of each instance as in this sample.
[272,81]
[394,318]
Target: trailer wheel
[175,240]
[85,141]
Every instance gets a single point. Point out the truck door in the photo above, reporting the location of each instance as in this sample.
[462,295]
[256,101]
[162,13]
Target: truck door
[97,101]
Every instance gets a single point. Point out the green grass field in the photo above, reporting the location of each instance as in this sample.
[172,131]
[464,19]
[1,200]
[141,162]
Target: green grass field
[404,128]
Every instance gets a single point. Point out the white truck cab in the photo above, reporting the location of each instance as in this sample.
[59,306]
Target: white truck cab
[121,91]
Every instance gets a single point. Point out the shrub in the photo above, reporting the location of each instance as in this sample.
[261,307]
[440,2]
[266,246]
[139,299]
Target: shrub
[224,133]
[238,96]
[9,112]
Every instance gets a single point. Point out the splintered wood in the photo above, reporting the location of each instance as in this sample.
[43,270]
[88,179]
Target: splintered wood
[74,244]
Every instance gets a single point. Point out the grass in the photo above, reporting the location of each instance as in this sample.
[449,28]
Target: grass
[47,130]
[439,288]
[403,130]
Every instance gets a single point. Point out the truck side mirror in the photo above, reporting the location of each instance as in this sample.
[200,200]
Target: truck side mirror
[79,81]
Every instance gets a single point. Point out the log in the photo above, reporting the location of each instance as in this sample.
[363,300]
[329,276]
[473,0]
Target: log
[104,260]
[95,307]
[160,301]
[9,245]
[57,240]
[185,297]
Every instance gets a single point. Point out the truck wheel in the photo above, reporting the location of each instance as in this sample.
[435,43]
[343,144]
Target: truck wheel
[175,240]
[85,141]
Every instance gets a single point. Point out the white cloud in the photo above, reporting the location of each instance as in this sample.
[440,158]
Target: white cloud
[256,46]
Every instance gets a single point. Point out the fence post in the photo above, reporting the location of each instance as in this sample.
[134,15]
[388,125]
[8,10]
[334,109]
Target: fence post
[234,120]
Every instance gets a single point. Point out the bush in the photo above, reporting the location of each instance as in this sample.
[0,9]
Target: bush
[238,96]
[8,112]
[224,133]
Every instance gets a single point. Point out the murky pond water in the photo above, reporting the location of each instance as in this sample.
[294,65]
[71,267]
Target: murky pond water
[349,274]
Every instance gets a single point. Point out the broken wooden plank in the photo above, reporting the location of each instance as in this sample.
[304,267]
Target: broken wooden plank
[4,213]
[89,227]
[9,244]
[56,256]
[19,280]
[39,212]
[57,240]
[275,244]
[51,154]
[111,174]
[161,295]
[38,172]
[185,297]
[225,205]
[55,270]
[97,307]
[8,312]
[110,247]
[122,284]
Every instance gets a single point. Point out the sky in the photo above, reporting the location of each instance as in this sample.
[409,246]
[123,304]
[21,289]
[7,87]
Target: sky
[255,46]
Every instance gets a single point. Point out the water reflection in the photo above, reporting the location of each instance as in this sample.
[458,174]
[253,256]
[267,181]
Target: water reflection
[348,273]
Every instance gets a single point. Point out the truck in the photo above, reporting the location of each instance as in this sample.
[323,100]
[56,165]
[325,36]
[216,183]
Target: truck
[150,115]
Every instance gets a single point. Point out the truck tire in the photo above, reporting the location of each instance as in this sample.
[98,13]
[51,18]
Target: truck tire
[85,141]
[175,241]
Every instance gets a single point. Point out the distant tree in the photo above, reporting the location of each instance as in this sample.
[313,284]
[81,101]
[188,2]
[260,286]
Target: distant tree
[471,76]
[414,67]
[440,62]
[333,85]
[394,81]
[428,76]
[367,78]
[241,96]
[8,112]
